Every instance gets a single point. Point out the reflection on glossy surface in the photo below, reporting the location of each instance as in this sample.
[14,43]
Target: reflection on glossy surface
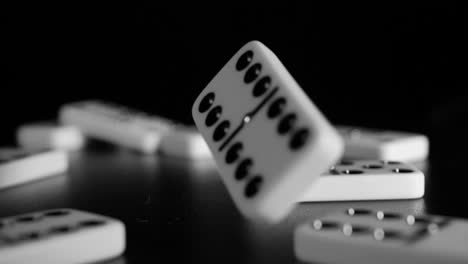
[179,209]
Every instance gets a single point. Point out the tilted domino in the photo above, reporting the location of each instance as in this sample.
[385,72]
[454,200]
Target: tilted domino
[269,141]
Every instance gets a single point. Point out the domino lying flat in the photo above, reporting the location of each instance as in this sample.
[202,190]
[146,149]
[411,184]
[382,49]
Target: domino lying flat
[18,166]
[269,141]
[185,142]
[363,143]
[366,236]
[48,135]
[367,180]
[117,124]
[60,236]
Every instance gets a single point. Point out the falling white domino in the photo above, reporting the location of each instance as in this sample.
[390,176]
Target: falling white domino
[269,140]
[365,143]
[48,135]
[62,236]
[117,124]
[367,180]
[18,166]
[185,142]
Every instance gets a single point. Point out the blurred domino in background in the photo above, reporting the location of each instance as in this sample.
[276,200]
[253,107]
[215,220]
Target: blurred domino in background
[43,135]
[60,236]
[19,166]
[367,180]
[117,124]
[364,143]
[185,142]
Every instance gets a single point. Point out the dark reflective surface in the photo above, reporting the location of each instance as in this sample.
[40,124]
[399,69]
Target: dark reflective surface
[178,210]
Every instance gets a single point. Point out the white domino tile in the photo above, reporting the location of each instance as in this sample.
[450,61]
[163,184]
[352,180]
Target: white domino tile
[19,166]
[49,135]
[367,180]
[367,143]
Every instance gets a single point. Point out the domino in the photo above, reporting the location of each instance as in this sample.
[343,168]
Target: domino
[364,143]
[269,141]
[19,166]
[185,142]
[60,236]
[48,135]
[117,124]
[367,180]
[361,235]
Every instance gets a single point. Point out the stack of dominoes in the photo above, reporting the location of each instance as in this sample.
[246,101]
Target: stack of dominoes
[273,148]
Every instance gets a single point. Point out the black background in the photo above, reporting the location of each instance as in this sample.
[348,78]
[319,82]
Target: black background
[387,67]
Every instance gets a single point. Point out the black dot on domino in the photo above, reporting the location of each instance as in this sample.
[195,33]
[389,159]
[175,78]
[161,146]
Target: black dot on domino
[91,223]
[380,234]
[352,171]
[233,152]
[261,86]
[57,213]
[349,230]
[252,73]
[411,220]
[28,236]
[244,60]
[399,170]
[213,116]
[390,162]
[26,219]
[353,212]
[286,123]
[221,130]
[299,138]
[381,215]
[60,229]
[253,186]
[324,225]
[243,169]
[372,166]
[206,102]
[276,108]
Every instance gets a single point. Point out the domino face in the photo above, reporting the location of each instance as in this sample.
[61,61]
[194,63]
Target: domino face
[117,124]
[364,143]
[48,135]
[360,235]
[60,236]
[268,139]
[367,180]
[185,142]
[19,166]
